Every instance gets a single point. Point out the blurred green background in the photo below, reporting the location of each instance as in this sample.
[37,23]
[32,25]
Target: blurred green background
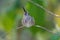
[11,13]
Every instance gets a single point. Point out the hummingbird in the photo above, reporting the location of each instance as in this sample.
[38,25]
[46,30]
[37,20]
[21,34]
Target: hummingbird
[27,20]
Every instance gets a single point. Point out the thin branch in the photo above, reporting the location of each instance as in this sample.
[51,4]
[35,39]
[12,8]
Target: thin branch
[44,29]
[51,13]
[20,27]
[39,27]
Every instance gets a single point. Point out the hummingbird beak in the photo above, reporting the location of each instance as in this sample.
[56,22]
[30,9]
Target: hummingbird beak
[26,13]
